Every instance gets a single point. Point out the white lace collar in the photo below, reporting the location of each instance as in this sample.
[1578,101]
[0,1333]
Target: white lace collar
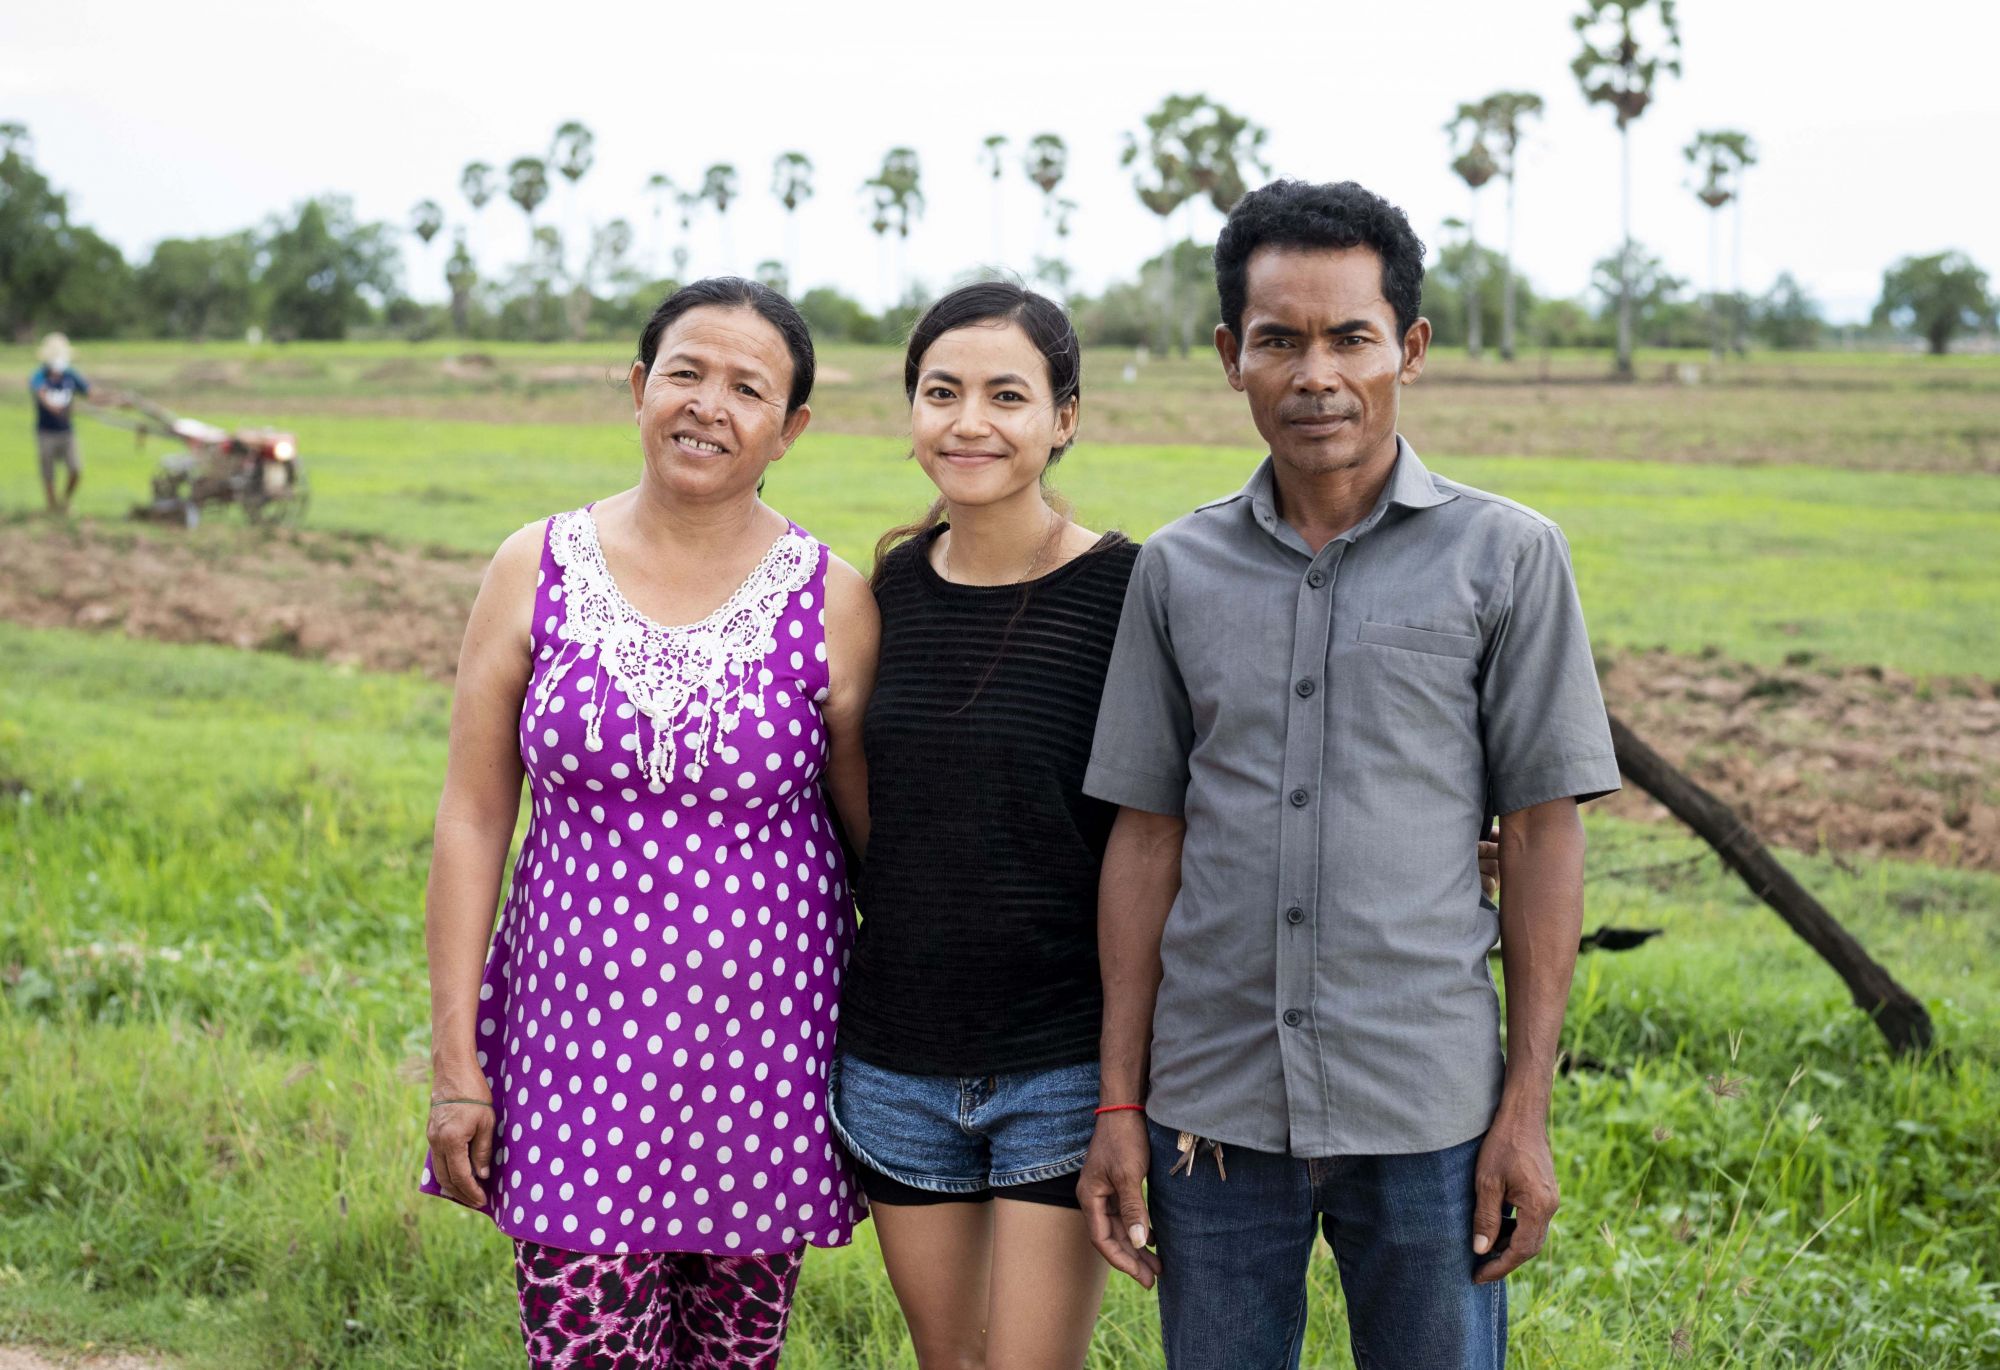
[696,678]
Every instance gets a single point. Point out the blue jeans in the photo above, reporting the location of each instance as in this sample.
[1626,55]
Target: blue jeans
[1233,1257]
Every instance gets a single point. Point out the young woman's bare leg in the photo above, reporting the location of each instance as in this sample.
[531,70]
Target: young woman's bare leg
[1047,1286]
[939,1258]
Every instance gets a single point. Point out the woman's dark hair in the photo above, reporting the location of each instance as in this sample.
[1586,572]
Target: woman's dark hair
[734,292]
[1048,327]
[1304,214]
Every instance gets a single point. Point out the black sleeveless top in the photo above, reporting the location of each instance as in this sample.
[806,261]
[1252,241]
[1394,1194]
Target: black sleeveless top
[978,945]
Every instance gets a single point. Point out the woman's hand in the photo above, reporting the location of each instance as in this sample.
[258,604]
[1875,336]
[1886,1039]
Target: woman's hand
[461,1138]
[1489,868]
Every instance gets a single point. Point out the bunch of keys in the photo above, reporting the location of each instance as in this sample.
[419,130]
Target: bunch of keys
[1190,1146]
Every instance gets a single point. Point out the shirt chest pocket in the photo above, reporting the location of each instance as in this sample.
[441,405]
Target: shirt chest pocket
[1414,687]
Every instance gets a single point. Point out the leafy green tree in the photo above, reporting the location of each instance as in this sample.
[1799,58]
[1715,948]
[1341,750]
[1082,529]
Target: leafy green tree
[792,183]
[1787,317]
[1623,58]
[476,184]
[1127,313]
[528,187]
[320,268]
[95,298]
[1936,297]
[1719,157]
[771,274]
[1636,283]
[52,272]
[834,317]
[1465,282]
[199,288]
[1475,165]
[426,220]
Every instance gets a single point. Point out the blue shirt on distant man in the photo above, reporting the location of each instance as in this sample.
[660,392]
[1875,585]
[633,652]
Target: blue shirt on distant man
[56,387]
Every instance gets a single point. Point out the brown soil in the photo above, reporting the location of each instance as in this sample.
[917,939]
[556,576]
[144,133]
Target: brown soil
[31,1358]
[1853,760]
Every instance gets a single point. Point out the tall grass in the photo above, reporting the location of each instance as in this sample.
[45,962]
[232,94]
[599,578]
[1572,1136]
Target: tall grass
[211,1020]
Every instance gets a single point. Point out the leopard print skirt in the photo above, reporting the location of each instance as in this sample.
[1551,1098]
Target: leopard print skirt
[653,1310]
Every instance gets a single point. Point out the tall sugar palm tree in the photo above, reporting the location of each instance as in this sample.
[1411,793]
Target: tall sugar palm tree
[660,187]
[1719,157]
[475,183]
[1475,165]
[1046,160]
[718,187]
[1503,114]
[992,154]
[528,187]
[900,199]
[1623,58]
[426,221]
[791,182]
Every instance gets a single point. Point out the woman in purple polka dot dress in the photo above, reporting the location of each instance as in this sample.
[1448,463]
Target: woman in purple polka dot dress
[630,1077]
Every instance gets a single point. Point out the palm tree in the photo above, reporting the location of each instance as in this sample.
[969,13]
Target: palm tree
[1616,67]
[460,277]
[1475,165]
[688,201]
[528,186]
[475,182]
[718,187]
[1722,155]
[1046,161]
[880,200]
[572,152]
[426,220]
[1163,186]
[899,200]
[660,187]
[991,150]
[791,182]
[1502,114]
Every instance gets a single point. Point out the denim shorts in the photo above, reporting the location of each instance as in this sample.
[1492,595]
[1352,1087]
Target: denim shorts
[965,1135]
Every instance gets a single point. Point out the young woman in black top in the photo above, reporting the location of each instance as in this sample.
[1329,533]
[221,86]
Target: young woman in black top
[967,1074]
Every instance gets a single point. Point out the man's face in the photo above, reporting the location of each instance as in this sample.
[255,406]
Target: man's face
[1321,358]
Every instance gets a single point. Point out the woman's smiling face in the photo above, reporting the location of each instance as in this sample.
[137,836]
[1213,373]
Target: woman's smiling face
[711,410]
[984,421]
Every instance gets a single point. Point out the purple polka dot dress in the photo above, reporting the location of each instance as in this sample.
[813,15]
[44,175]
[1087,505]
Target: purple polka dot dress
[659,1002]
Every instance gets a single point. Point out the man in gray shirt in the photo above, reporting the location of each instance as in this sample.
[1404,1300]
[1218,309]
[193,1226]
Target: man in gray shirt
[1323,685]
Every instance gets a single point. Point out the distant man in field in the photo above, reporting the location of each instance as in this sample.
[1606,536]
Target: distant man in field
[1323,685]
[56,388]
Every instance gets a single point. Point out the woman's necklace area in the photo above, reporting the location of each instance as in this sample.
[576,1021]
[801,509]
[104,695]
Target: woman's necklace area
[1056,523]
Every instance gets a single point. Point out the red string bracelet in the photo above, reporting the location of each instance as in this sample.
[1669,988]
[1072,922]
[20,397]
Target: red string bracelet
[1116,1108]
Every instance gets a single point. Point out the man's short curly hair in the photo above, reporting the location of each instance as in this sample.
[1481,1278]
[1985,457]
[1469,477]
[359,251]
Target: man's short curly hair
[1304,214]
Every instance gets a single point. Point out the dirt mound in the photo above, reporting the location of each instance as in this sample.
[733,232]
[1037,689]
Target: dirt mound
[31,1358]
[1843,759]
[347,600]
[1852,760]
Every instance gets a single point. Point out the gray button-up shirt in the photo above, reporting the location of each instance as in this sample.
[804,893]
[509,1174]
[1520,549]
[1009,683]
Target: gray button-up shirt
[1335,730]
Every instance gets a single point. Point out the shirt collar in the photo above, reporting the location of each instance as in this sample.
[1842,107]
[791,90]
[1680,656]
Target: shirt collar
[1410,485]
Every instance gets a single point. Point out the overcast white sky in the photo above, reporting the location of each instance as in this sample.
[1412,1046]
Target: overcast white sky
[201,117]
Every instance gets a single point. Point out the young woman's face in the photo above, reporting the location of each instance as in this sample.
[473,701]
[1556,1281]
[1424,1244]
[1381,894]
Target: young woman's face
[985,420]
[711,411]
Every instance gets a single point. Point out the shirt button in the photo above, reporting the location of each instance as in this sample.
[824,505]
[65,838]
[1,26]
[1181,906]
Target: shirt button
[1293,1017]
[1295,914]
[1316,579]
[1299,798]
[1305,688]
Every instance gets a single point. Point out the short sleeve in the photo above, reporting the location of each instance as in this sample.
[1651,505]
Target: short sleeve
[82,385]
[1541,712]
[1145,729]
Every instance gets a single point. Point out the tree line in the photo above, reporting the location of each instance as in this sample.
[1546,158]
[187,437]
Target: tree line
[318,272]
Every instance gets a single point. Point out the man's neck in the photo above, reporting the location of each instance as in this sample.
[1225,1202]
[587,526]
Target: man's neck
[1322,506]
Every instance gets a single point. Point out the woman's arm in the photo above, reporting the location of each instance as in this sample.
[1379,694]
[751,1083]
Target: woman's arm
[853,637]
[475,822]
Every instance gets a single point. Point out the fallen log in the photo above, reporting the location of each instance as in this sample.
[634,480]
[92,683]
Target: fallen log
[1898,1013]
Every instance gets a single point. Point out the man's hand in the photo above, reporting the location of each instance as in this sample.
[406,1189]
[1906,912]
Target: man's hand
[1489,868]
[1515,1167]
[1112,1192]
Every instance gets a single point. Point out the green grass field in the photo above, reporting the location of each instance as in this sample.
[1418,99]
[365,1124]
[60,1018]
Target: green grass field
[212,989]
